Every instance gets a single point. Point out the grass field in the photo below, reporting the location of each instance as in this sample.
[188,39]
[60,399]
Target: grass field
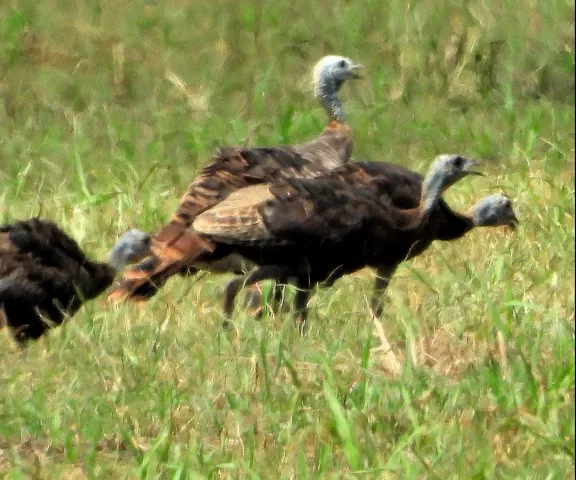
[107,109]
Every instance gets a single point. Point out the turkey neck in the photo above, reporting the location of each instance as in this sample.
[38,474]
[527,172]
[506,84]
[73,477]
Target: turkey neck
[326,92]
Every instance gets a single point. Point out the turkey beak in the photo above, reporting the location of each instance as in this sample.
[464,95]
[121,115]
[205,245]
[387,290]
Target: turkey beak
[468,166]
[353,70]
[513,223]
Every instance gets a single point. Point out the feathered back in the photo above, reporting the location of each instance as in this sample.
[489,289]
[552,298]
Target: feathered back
[43,270]
[25,234]
[306,213]
[334,220]
[232,169]
[39,245]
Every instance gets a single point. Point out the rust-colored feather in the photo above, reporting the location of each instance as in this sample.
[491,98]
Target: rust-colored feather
[169,258]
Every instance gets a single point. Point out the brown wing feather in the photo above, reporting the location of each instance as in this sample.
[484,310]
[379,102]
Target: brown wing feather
[6,246]
[311,209]
[237,217]
[245,197]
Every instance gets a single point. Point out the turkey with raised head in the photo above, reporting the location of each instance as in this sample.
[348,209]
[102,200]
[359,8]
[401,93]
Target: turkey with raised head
[234,168]
[317,230]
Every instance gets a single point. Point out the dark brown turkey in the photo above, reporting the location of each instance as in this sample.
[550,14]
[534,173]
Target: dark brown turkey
[235,168]
[317,230]
[395,184]
[403,188]
[45,276]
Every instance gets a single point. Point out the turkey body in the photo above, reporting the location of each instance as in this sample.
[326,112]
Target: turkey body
[44,276]
[235,168]
[317,230]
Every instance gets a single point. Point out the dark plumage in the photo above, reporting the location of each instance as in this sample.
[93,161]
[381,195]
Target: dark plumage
[44,275]
[318,230]
[235,168]
[403,189]
[389,183]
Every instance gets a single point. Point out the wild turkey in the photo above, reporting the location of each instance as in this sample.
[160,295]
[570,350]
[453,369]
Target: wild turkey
[235,168]
[318,230]
[44,275]
[388,182]
[403,188]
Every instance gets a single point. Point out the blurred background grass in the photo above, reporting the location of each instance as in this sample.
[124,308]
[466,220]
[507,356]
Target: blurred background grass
[107,109]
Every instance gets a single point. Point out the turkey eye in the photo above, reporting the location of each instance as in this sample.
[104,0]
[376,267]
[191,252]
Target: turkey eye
[458,161]
[342,63]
